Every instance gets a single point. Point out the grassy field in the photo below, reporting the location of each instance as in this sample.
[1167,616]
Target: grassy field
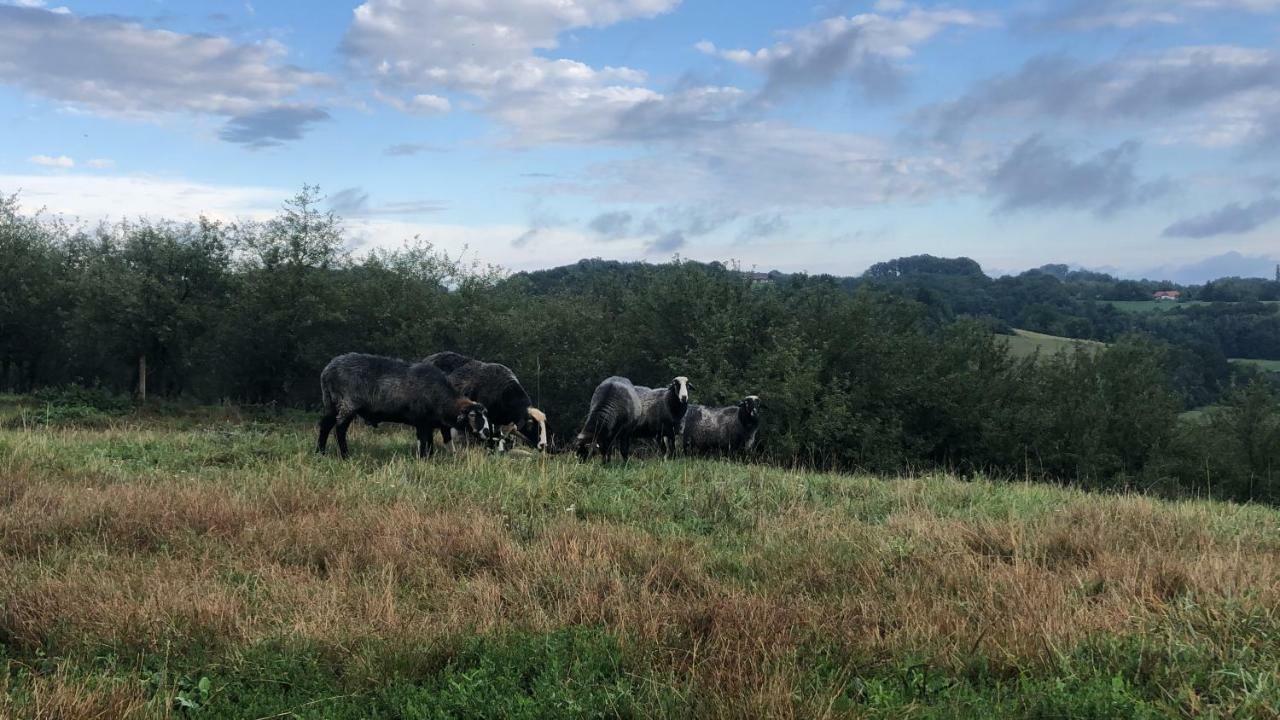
[206,564]
[1268,365]
[1024,343]
[1142,306]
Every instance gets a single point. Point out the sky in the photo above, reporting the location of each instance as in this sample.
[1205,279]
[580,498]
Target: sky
[1140,137]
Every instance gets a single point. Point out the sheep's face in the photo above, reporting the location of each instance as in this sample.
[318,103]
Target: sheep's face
[534,429]
[584,447]
[475,420]
[681,387]
[749,406]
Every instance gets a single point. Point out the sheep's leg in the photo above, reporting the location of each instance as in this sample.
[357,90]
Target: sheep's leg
[343,422]
[606,448]
[326,424]
[426,440]
[624,446]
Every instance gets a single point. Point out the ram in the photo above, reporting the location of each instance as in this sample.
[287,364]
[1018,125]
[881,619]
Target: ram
[661,411]
[725,430]
[496,387]
[382,389]
[611,420]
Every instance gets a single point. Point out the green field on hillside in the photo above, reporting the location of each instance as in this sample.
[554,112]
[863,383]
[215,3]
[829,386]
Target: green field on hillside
[1142,306]
[1268,365]
[206,564]
[1024,343]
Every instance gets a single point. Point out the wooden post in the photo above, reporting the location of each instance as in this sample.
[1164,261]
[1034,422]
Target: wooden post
[142,377]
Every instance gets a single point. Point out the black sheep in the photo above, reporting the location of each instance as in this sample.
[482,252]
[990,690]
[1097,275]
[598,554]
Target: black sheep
[611,419]
[661,411]
[495,386]
[725,430]
[381,389]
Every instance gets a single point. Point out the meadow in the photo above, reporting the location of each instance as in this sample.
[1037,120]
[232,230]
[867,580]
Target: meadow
[1146,306]
[1267,365]
[204,563]
[1025,343]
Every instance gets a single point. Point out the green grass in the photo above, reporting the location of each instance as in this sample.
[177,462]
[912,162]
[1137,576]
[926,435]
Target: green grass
[1268,365]
[205,563]
[1025,343]
[1145,306]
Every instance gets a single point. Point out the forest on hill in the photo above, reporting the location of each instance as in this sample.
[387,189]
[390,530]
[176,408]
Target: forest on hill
[901,369]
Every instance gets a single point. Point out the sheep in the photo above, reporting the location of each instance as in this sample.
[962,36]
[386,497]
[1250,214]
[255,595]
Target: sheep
[725,430]
[611,419]
[496,387]
[661,411]
[381,389]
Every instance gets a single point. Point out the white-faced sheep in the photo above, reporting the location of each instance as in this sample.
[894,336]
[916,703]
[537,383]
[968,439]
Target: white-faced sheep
[381,389]
[661,411]
[495,386]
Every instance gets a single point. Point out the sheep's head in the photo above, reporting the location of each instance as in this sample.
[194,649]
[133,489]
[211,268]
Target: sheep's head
[534,429]
[585,444]
[681,387]
[474,419]
[749,407]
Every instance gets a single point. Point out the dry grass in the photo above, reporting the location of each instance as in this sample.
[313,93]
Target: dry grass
[728,579]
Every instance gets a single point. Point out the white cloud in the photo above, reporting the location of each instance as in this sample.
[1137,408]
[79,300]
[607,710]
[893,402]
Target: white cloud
[1087,15]
[421,104]
[489,50]
[115,67]
[101,163]
[38,4]
[865,49]
[106,197]
[59,161]
[1214,96]
[750,167]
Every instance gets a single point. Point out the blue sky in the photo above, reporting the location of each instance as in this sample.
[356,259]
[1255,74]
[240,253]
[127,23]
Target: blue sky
[1141,136]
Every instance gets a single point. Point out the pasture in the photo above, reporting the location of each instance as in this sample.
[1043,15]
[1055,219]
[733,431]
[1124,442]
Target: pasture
[204,563]
[1268,365]
[1145,306]
[1025,343]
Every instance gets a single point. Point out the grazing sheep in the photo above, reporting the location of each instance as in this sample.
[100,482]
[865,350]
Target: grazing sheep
[726,430]
[661,411]
[496,387]
[614,413]
[381,389]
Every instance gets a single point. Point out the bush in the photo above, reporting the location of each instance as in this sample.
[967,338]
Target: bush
[71,405]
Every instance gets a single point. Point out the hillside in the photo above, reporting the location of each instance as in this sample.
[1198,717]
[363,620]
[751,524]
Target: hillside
[1024,343]
[206,564]
[1268,365]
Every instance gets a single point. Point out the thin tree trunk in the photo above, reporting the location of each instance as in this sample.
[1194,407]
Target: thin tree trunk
[142,377]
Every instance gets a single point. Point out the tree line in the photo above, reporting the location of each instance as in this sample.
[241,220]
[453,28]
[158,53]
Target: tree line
[854,375]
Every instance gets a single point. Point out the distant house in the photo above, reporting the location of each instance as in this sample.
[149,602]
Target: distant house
[1170,295]
[759,277]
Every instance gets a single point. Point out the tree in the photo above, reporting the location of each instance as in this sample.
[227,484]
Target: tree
[289,302]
